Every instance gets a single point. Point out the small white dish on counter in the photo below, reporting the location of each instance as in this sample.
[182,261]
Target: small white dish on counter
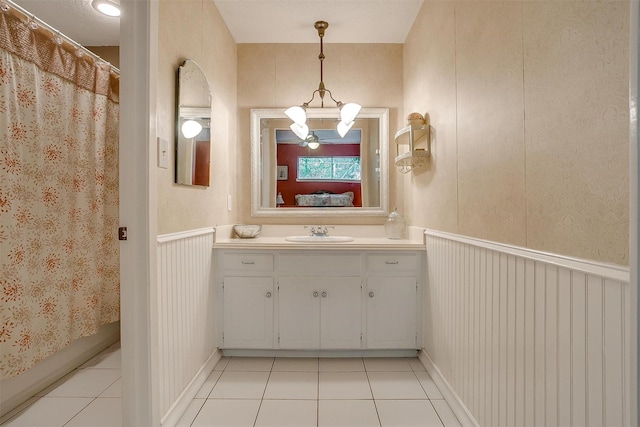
[247,231]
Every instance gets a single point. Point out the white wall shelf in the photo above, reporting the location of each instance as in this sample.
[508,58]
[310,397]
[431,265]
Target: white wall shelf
[415,157]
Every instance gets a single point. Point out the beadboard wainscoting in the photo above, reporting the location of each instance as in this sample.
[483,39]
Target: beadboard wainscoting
[524,338]
[186,318]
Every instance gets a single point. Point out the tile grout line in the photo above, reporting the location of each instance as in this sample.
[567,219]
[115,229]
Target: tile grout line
[62,380]
[373,398]
[204,401]
[264,392]
[427,394]
[318,395]
[197,413]
[78,413]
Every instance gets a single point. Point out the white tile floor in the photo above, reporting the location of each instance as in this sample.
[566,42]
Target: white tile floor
[260,392]
[87,397]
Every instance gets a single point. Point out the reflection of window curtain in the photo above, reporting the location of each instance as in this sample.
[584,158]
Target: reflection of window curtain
[369,159]
[365,163]
[273,179]
[373,170]
[268,166]
[59,252]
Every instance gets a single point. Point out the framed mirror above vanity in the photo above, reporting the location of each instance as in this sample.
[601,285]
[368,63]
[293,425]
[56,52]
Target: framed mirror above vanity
[325,174]
[193,126]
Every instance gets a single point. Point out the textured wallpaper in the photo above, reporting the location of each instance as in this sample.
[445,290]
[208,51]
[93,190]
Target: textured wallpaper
[529,101]
[195,30]
[282,75]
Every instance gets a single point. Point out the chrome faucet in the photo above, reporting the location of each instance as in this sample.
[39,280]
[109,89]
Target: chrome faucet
[319,230]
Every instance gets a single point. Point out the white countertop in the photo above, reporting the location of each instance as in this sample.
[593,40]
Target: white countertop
[365,237]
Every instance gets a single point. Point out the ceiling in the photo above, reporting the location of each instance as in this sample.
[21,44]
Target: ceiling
[253,21]
[77,20]
[291,21]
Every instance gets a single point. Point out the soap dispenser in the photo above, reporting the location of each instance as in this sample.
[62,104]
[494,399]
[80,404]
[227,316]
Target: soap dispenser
[394,225]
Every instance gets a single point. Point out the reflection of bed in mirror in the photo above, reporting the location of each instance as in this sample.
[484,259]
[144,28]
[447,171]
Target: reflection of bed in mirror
[325,199]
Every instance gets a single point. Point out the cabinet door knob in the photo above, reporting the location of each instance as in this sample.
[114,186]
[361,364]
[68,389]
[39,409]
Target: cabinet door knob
[324,295]
[268,295]
[371,294]
[315,294]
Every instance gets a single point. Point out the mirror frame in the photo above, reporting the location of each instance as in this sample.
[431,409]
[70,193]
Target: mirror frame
[382,114]
[202,112]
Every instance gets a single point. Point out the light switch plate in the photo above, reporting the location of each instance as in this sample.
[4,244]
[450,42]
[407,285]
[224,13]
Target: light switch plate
[163,153]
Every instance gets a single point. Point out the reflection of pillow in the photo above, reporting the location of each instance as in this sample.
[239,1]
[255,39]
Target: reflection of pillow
[338,200]
[344,199]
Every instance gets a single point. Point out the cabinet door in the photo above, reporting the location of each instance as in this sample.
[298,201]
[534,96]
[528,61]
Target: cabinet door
[341,313]
[299,312]
[248,312]
[391,312]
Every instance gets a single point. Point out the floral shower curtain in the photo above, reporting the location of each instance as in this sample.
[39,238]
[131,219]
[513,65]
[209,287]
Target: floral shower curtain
[59,254]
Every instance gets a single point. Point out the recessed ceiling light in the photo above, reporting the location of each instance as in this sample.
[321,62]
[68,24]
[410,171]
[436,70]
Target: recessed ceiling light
[107,7]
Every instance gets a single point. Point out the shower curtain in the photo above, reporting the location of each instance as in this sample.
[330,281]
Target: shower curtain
[59,254]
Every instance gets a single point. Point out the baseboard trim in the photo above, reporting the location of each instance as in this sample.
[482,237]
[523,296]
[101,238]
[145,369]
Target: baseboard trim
[319,353]
[175,412]
[451,397]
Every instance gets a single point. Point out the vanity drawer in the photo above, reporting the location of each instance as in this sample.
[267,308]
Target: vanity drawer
[392,262]
[319,265]
[248,262]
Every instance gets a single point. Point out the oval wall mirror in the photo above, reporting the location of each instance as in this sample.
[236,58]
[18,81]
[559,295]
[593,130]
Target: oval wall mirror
[193,126]
[323,175]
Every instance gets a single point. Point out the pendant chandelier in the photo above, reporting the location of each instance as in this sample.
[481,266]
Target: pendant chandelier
[348,112]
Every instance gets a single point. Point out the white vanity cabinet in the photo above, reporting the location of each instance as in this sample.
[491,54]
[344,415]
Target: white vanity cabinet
[319,313]
[392,293]
[248,297]
[319,300]
[248,312]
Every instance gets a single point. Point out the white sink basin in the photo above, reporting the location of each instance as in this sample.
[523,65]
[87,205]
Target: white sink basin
[319,239]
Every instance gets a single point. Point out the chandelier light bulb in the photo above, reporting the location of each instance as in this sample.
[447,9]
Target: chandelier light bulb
[191,129]
[349,111]
[297,114]
[301,131]
[343,128]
